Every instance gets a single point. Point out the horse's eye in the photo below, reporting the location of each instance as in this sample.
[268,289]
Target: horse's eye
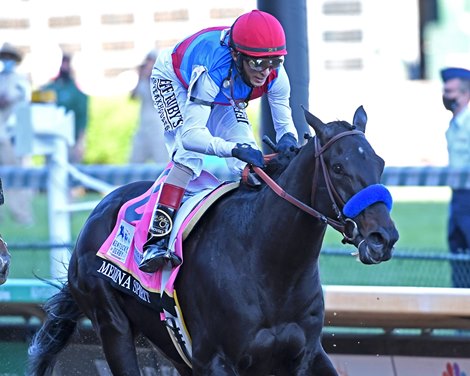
[337,168]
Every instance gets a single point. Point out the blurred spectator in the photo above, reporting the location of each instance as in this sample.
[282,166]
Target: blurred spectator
[73,99]
[456,98]
[15,90]
[148,143]
[2,199]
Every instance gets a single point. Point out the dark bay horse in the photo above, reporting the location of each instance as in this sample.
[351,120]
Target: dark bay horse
[249,287]
[4,254]
[4,261]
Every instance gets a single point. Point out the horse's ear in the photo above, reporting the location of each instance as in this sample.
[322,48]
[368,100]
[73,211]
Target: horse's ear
[313,121]
[360,119]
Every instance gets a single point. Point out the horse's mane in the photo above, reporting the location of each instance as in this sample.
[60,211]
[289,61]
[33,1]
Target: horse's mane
[276,165]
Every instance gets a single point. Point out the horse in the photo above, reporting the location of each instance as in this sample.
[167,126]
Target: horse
[249,285]
[4,261]
[4,254]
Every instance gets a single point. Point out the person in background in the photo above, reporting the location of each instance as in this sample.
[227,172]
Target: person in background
[70,96]
[148,143]
[2,198]
[456,98]
[15,90]
[201,88]
[4,254]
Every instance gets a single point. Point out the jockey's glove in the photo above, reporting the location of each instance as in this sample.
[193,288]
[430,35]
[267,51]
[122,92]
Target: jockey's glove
[287,144]
[247,154]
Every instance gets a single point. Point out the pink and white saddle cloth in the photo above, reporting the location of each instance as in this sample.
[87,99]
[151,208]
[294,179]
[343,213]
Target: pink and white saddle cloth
[119,256]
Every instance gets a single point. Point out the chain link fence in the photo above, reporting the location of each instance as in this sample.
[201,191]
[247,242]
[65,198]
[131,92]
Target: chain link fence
[408,267]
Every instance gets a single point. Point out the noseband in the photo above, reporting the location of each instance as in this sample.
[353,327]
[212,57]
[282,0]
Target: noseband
[339,223]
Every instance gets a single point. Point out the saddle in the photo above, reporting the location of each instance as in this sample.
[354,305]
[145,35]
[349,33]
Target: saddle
[119,256]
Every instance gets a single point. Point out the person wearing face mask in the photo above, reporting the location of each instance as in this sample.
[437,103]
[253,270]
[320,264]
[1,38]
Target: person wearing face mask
[15,90]
[70,96]
[200,90]
[456,98]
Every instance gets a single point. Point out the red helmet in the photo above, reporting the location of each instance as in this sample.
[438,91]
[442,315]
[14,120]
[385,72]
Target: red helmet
[258,34]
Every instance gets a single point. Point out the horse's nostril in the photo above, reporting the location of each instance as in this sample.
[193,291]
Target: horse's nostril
[375,240]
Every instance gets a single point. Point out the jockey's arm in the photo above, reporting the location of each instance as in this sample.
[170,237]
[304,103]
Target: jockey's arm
[278,98]
[195,135]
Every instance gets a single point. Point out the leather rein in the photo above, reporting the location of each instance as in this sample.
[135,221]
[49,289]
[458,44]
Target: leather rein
[338,223]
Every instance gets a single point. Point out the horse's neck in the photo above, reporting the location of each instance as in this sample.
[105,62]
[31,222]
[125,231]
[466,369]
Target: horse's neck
[296,235]
[297,180]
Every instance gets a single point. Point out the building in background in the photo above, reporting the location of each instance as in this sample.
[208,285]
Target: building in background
[386,55]
[447,37]
[107,39]
[383,54]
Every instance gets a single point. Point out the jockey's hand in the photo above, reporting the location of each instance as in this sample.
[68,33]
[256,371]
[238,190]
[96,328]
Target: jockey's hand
[287,144]
[247,154]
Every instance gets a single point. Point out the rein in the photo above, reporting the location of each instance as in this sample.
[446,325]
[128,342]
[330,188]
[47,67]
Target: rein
[339,224]
[286,196]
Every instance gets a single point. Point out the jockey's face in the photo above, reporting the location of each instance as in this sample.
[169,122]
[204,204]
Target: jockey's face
[256,69]
[256,77]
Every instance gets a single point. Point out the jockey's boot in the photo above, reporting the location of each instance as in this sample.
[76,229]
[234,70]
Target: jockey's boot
[156,251]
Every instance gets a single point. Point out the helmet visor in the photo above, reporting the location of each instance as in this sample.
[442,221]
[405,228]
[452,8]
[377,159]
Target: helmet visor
[260,64]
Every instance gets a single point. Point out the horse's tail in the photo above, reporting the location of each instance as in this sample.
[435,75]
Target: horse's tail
[63,314]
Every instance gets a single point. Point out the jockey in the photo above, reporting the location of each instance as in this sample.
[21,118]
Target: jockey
[200,89]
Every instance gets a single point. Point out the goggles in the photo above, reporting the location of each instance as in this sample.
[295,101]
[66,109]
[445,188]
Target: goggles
[262,64]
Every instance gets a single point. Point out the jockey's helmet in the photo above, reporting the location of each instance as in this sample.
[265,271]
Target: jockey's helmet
[258,34]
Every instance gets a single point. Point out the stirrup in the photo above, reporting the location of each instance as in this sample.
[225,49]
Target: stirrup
[155,258]
[173,258]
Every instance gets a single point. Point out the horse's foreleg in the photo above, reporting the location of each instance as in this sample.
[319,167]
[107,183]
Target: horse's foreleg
[322,365]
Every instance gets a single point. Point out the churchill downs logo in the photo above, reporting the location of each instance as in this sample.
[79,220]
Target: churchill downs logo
[120,246]
[165,101]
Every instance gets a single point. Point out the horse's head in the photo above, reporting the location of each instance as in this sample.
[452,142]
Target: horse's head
[4,261]
[349,169]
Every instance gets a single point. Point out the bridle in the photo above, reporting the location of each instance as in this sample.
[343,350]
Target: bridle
[338,223]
